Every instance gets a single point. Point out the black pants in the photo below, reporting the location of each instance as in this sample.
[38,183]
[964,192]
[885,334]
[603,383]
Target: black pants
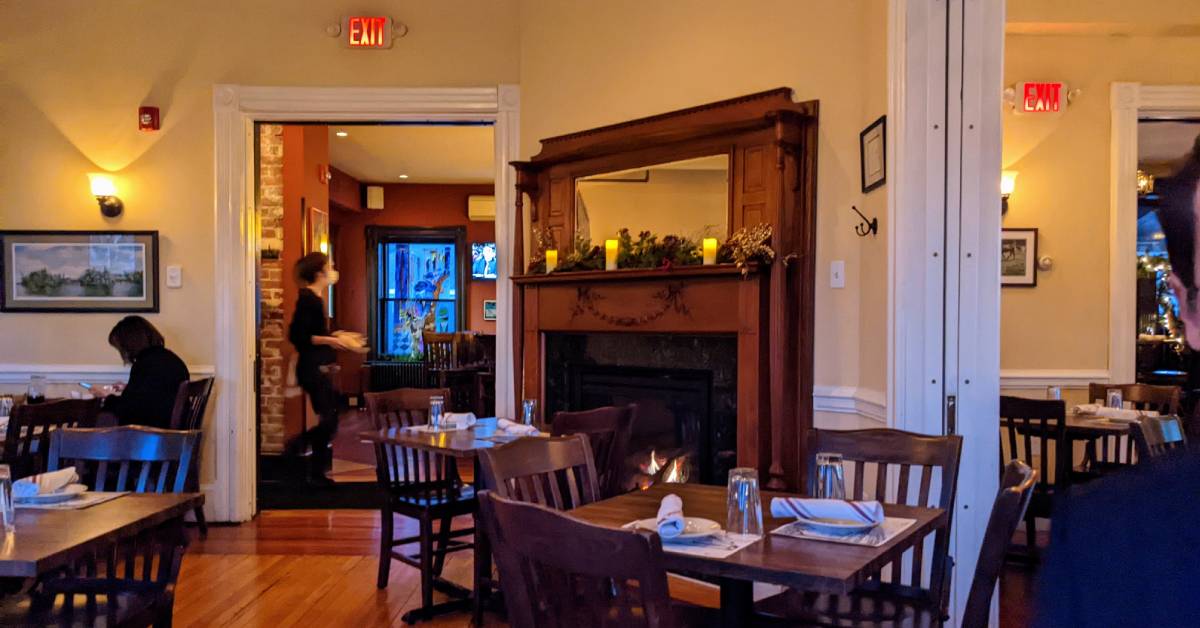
[323,395]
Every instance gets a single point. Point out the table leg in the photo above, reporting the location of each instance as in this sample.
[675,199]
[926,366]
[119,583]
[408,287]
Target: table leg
[483,556]
[737,602]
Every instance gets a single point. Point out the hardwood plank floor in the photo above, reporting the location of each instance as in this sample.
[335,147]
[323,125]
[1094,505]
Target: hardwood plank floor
[318,567]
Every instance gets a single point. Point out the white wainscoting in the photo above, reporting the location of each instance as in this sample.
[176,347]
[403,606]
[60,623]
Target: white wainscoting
[13,373]
[851,407]
[1041,378]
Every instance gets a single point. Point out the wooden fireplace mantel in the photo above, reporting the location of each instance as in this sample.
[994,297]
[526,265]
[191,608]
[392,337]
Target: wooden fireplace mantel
[771,142]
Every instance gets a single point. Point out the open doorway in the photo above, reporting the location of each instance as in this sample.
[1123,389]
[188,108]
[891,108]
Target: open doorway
[406,213]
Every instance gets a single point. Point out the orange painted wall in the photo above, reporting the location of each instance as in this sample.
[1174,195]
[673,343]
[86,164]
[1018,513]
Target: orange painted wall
[408,205]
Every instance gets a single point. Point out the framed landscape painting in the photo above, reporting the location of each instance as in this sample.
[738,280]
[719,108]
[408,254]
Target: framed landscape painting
[1018,257]
[79,271]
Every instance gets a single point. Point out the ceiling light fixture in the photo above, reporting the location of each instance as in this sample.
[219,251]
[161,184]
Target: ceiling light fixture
[341,134]
[403,176]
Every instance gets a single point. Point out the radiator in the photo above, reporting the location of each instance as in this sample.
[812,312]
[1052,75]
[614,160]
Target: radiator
[393,375]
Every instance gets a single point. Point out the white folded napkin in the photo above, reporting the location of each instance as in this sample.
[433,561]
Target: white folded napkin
[1112,413]
[670,517]
[458,420]
[518,429]
[44,483]
[802,508]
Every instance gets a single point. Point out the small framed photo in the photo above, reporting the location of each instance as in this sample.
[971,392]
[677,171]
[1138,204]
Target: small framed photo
[79,271]
[318,230]
[872,154]
[1018,257]
[489,310]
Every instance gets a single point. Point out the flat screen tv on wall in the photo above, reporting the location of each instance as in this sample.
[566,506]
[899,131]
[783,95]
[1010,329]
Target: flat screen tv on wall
[483,260]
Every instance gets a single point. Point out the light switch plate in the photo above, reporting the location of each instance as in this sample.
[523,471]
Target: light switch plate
[174,276]
[837,274]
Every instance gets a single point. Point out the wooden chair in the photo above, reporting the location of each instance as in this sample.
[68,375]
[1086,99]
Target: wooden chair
[870,456]
[1035,429]
[1113,453]
[560,572]
[558,473]
[135,458]
[28,437]
[1016,488]
[188,414]
[608,430]
[419,485]
[1158,436]
[441,355]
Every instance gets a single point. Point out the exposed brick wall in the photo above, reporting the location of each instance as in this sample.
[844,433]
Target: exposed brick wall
[272,341]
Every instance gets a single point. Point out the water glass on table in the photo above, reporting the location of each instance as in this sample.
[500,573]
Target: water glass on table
[528,411]
[831,481]
[743,505]
[36,393]
[436,409]
[7,510]
[1115,399]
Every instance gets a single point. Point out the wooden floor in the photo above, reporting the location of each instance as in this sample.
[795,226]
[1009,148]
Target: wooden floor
[318,568]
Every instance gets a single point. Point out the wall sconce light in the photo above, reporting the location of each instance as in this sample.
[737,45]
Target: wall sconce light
[1145,183]
[1008,183]
[105,192]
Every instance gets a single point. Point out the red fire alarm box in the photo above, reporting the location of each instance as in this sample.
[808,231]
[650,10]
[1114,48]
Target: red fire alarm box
[148,119]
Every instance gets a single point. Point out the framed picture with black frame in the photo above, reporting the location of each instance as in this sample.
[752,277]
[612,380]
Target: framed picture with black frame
[872,154]
[1018,257]
[79,271]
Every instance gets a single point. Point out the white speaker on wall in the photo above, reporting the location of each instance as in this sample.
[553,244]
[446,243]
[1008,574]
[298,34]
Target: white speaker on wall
[481,207]
[374,197]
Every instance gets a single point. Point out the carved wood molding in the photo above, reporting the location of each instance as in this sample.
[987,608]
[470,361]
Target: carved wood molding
[670,298]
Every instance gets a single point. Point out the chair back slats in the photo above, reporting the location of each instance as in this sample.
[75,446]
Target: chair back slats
[27,439]
[407,473]
[602,577]
[441,350]
[609,430]
[1161,399]
[1158,436]
[1037,435]
[1016,489]
[190,404]
[556,472]
[871,454]
[135,451]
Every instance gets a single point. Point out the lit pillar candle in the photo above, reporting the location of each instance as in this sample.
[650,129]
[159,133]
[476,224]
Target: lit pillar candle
[610,255]
[551,260]
[710,251]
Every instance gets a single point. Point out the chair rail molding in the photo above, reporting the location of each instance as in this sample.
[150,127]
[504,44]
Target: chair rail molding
[863,402]
[236,109]
[1041,378]
[13,373]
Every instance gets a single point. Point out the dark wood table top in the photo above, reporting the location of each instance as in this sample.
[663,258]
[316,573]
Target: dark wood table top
[799,563]
[1091,426]
[48,539]
[458,443]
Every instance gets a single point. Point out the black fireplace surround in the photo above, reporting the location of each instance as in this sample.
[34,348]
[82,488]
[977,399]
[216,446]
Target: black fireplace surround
[685,387]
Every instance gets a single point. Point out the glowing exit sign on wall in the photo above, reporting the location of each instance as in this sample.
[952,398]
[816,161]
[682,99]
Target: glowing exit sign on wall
[367,31]
[1041,97]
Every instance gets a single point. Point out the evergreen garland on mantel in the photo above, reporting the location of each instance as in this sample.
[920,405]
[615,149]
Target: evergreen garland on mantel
[746,246]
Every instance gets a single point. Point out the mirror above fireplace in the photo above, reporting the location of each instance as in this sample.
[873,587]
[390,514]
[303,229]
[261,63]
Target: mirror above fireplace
[688,198]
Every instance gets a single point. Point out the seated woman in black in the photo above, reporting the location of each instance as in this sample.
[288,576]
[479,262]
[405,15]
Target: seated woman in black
[155,374]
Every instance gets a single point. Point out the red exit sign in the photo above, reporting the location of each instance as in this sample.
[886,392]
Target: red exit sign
[368,31]
[1041,97]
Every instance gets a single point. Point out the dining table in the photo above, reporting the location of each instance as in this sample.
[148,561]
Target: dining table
[799,563]
[48,540]
[461,444]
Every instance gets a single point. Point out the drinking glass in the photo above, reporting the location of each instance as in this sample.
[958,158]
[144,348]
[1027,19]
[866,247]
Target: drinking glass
[831,483]
[436,405]
[1054,392]
[7,512]
[36,393]
[744,508]
[1115,399]
[528,411]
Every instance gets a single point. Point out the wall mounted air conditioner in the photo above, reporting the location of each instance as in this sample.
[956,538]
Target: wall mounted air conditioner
[481,207]
[374,197]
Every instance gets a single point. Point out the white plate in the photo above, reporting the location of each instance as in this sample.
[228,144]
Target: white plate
[694,527]
[836,526]
[69,492]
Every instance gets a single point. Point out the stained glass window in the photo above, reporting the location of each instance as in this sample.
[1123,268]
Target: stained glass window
[418,291]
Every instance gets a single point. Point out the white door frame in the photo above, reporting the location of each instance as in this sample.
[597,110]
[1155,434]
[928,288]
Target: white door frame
[236,108]
[944,268]
[1131,102]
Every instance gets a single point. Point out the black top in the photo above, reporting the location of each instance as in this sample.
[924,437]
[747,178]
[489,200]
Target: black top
[149,397]
[309,321]
[1125,550]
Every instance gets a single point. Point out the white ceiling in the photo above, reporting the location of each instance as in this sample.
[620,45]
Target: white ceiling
[1166,142]
[427,154]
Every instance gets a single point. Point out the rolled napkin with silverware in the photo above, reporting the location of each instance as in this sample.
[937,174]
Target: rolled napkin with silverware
[44,483]
[670,519]
[1106,412]
[458,420]
[845,510]
[516,429]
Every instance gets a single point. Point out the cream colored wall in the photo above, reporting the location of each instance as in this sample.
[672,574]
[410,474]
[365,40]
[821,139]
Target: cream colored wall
[72,74]
[584,66]
[1063,188]
[689,203]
